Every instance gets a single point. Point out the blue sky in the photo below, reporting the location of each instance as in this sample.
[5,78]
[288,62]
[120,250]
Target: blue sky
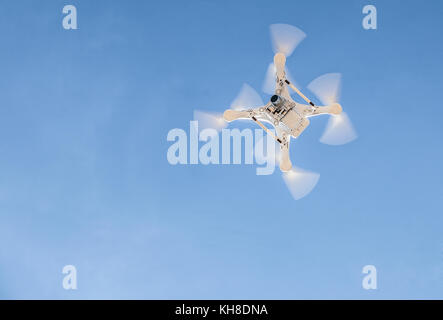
[84,179]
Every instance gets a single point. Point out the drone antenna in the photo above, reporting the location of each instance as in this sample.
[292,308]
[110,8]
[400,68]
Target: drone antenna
[299,92]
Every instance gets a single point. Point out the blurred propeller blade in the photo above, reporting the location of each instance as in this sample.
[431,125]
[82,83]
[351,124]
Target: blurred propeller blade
[285,38]
[339,130]
[212,120]
[300,182]
[270,80]
[290,78]
[247,98]
[327,88]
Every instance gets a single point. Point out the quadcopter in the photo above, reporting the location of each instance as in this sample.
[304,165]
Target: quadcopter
[288,117]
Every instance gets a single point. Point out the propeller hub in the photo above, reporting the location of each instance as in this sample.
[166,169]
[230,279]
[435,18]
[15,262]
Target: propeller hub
[336,108]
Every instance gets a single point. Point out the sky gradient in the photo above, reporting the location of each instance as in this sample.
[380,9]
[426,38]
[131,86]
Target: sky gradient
[84,179]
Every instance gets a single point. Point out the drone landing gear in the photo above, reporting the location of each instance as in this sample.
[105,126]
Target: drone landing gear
[282,137]
[285,161]
[267,130]
[231,115]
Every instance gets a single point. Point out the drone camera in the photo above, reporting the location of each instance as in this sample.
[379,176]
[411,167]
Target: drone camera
[276,100]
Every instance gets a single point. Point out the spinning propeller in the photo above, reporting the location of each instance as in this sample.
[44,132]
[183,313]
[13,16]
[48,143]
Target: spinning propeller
[339,129]
[247,98]
[285,38]
[299,182]
[208,120]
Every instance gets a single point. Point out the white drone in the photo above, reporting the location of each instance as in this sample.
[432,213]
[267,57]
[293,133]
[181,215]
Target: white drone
[288,117]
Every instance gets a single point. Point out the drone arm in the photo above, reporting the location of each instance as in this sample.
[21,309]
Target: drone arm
[334,108]
[231,115]
[255,114]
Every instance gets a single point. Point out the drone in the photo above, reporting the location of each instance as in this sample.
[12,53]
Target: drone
[288,117]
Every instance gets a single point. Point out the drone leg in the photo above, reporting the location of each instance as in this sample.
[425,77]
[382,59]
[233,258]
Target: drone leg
[285,161]
[299,92]
[230,115]
[267,130]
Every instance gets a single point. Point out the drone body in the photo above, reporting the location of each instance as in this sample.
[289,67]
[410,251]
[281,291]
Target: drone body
[289,118]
